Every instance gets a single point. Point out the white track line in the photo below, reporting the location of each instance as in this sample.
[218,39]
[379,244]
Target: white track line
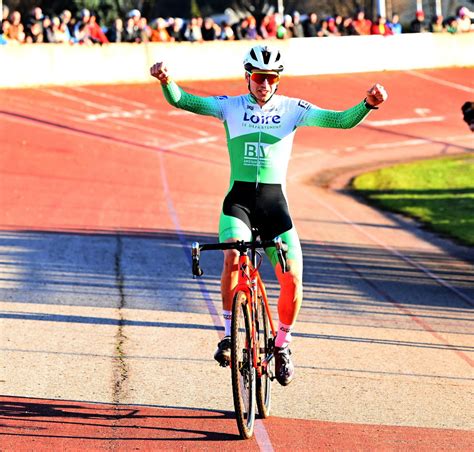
[92,92]
[440,81]
[57,114]
[403,121]
[118,110]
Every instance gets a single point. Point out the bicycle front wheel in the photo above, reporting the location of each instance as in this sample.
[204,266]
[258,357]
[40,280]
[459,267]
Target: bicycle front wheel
[243,371]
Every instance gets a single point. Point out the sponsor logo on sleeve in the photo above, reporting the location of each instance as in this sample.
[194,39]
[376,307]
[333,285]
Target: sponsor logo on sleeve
[304,104]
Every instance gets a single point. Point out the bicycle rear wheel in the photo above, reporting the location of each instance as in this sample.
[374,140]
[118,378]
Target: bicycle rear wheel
[264,382]
[243,372]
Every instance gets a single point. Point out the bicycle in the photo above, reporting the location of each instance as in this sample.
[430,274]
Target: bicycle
[252,332]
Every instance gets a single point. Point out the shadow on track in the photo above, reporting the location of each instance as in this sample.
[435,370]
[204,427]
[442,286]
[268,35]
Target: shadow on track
[97,424]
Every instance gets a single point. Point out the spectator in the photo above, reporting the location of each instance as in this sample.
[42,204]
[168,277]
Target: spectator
[323,31]
[227,33]
[48,32]
[16,31]
[81,34]
[380,27]
[66,17]
[452,25]
[159,31]
[418,24]
[288,24]
[251,32]
[395,24]
[136,15]
[464,20]
[131,32]
[281,29]
[193,30]
[116,32]
[80,28]
[297,29]
[96,35]
[35,20]
[361,24]
[347,27]
[144,30]
[5,13]
[175,29]
[311,26]
[4,25]
[268,27]
[208,30]
[338,22]
[60,31]
[332,27]
[437,25]
[35,33]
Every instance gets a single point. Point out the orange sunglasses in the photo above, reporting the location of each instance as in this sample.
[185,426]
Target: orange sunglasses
[259,77]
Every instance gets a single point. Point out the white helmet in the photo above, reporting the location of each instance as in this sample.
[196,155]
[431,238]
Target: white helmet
[263,57]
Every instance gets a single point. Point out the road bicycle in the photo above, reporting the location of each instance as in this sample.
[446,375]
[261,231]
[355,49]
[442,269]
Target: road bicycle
[253,332]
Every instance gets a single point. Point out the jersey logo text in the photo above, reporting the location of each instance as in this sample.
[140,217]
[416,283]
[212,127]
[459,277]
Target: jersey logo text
[257,154]
[263,119]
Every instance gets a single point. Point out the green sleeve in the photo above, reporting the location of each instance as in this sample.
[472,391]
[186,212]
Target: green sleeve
[179,98]
[335,119]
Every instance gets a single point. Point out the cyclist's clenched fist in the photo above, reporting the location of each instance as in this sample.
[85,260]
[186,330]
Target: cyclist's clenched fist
[376,95]
[160,71]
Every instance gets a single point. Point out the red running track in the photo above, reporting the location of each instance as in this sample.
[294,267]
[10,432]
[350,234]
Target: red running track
[85,159]
[41,425]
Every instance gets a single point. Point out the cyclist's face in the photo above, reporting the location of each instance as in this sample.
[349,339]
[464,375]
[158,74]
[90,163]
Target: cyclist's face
[263,84]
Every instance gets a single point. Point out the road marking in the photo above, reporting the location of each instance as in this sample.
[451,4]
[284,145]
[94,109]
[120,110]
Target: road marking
[89,103]
[261,436]
[116,112]
[440,81]
[146,114]
[108,96]
[403,121]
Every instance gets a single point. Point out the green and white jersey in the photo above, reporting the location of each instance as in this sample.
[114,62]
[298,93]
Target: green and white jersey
[260,139]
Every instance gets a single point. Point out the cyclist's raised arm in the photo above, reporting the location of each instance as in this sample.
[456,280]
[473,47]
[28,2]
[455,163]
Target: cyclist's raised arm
[345,119]
[179,98]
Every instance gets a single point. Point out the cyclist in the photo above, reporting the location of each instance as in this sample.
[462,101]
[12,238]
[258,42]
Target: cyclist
[260,127]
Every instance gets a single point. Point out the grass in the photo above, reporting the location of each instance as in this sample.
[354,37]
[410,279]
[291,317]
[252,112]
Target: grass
[439,193]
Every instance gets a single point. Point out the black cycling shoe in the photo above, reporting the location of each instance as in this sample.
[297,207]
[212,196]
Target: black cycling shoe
[284,369]
[222,355]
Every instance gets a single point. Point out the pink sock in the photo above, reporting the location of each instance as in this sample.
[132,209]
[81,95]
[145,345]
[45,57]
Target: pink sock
[283,335]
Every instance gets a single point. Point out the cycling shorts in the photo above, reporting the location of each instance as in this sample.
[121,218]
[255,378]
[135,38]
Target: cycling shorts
[264,207]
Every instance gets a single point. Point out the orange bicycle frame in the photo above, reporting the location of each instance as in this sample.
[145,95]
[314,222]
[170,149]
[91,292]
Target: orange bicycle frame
[250,282]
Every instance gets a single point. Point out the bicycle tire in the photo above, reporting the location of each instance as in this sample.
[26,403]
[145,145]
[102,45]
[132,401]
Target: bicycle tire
[264,382]
[243,372]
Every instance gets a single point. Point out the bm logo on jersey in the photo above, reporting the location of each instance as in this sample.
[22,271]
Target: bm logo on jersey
[257,154]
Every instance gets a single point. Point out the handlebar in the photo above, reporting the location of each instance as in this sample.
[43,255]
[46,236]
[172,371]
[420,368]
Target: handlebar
[241,246]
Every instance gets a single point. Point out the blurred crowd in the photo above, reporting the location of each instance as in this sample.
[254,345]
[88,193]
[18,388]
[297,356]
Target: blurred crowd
[86,29]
